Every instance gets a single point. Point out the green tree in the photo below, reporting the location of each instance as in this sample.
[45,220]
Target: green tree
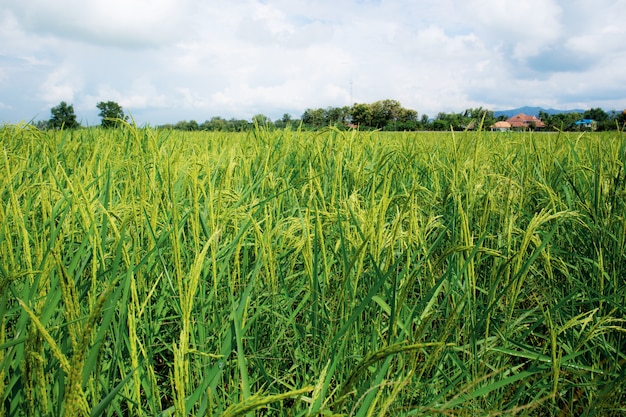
[385,113]
[111,113]
[621,119]
[362,114]
[189,126]
[336,115]
[192,125]
[238,125]
[596,114]
[261,120]
[283,122]
[546,119]
[314,118]
[42,124]
[440,123]
[447,121]
[181,125]
[63,117]
[476,116]
[407,115]
[216,124]
[565,121]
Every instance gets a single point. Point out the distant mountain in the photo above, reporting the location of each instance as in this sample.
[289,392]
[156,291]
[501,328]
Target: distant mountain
[533,111]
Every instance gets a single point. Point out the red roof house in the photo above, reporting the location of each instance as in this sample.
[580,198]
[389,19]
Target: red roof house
[501,126]
[522,121]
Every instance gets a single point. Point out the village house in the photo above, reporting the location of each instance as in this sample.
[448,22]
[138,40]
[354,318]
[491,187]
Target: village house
[586,124]
[523,121]
[501,126]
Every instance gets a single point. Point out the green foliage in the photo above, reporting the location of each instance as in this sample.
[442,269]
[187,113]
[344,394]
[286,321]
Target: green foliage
[314,118]
[286,272]
[63,117]
[470,119]
[284,121]
[261,120]
[215,124]
[561,121]
[111,113]
[620,119]
[596,114]
[190,126]
[389,115]
[603,121]
[362,114]
[384,114]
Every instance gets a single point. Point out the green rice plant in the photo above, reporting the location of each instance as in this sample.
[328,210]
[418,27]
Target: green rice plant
[153,272]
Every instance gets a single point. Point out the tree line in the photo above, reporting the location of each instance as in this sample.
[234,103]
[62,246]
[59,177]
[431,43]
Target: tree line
[387,115]
[603,121]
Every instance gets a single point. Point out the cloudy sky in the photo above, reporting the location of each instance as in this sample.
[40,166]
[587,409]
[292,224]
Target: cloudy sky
[171,60]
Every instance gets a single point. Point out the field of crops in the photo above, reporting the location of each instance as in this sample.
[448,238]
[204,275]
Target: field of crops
[290,273]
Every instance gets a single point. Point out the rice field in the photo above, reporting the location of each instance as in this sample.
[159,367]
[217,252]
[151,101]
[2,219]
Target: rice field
[148,272]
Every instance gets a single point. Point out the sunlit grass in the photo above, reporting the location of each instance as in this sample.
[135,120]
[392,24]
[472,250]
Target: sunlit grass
[151,272]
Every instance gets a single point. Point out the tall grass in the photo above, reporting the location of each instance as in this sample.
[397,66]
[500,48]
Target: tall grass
[150,272]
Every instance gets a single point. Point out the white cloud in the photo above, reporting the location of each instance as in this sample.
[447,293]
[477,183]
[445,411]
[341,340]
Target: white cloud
[520,28]
[140,95]
[599,41]
[118,23]
[60,85]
